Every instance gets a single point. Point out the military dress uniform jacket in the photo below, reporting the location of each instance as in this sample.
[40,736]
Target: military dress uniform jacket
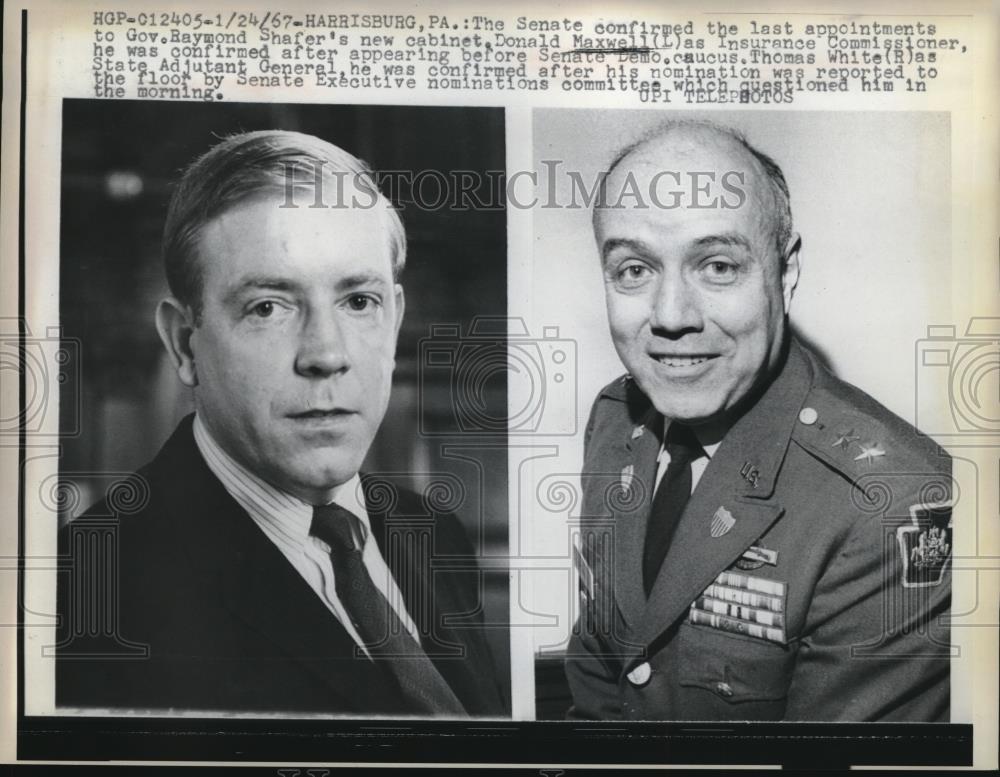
[175,599]
[808,577]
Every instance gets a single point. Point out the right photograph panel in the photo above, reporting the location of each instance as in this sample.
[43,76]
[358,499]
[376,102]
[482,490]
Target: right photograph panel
[755,511]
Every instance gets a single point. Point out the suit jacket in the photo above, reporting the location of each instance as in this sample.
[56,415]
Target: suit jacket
[808,577]
[175,599]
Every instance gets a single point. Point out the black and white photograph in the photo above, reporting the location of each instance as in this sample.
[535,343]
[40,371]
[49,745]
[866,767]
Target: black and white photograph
[249,309]
[540,388]
[759,536]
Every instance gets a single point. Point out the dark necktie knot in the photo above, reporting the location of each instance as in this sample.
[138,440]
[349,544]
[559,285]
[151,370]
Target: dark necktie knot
[337,527]
[682,444]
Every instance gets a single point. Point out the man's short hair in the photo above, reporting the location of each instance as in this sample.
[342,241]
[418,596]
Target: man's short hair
[772,171]
[250,164]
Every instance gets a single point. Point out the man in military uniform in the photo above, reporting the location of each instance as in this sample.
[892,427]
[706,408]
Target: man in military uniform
[760,540]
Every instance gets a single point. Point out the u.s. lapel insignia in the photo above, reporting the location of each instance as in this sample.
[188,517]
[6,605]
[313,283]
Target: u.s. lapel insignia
[722,522]
[627,478]
[637,432]
[750,473]
[925,545]
[869,452]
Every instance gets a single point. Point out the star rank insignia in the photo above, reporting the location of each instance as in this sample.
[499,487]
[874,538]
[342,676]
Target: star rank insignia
[869,452]
[845,439]
[925,545]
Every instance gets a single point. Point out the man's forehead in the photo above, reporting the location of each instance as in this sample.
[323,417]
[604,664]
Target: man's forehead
[274,209]
[656,229]
[264,231]
[687,151]
[689,180]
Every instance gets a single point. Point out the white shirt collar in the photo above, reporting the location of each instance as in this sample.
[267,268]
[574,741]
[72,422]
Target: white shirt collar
[709,448]
[265,501]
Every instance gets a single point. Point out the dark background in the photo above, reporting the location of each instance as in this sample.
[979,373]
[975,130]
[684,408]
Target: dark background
[119,162]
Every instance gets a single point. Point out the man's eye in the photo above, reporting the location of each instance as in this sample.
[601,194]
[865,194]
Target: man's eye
[263,309]
[360,302]
[633,274]
[719,270]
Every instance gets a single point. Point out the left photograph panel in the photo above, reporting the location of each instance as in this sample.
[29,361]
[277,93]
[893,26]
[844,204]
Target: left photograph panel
[263,505]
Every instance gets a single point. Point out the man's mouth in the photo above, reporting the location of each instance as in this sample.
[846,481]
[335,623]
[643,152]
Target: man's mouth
[322,414]
[682,360]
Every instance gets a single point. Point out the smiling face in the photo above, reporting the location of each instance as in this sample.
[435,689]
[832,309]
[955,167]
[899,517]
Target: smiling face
[697,297]
[294,351]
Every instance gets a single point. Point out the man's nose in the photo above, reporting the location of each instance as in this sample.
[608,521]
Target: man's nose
[677,306]
[322,349]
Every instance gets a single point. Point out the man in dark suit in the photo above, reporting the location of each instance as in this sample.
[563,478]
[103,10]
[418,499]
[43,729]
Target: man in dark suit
[251,568]
[761,541]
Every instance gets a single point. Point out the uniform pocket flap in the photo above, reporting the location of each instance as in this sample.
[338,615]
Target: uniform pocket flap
[733,667]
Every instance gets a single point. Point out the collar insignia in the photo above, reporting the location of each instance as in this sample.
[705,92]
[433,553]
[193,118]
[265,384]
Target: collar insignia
[722,522]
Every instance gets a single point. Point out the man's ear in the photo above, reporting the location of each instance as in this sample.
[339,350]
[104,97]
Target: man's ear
[400,306]
[175,323]
[792,266]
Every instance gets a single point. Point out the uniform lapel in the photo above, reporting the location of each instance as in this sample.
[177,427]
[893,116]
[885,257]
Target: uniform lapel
[637,466]
[757,442]
[695,557]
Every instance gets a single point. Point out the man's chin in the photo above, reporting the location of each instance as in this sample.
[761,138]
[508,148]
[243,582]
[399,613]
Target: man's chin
[319,485]
[695,412]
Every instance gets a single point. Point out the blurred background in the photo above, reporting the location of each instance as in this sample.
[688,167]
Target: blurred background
[119,161]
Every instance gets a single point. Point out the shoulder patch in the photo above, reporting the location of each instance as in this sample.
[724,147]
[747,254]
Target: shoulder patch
[925,544]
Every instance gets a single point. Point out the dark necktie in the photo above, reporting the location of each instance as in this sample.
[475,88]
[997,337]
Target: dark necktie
[385,636]
[669,501]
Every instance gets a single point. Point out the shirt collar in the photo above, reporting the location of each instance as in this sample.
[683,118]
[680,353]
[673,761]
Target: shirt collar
[709,448]
[259,497]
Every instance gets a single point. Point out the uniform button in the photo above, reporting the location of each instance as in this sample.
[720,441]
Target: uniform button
[724,689]
[808,416]
[640,675]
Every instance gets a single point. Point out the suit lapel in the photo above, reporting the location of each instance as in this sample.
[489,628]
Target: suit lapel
[263,589]
[258,585]
[758,441]
[409,562]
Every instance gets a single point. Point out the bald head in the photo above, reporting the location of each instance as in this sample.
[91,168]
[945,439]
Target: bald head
[706,149]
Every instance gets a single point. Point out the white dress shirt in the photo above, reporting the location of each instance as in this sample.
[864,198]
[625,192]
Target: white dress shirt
[698,466]
[286,519]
